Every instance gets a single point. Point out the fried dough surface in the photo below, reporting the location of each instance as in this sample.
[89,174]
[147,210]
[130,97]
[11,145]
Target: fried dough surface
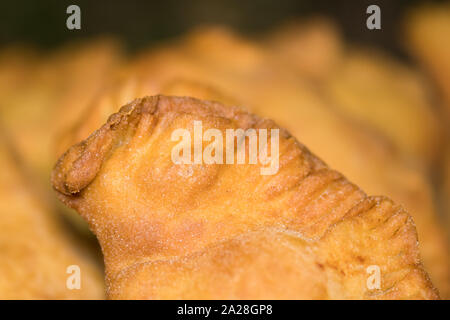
[41,94]
[313,47]
[35,252]
[165,228]
[426,30]
[239,72]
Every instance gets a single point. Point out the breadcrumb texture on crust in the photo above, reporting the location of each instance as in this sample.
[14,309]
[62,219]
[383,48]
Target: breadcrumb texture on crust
[209,231]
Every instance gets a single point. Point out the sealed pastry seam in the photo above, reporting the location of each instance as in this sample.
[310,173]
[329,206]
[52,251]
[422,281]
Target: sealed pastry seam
[78,166]
[318,204]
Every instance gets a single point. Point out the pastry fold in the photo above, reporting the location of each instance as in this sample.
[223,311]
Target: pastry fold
[209,231]
[216,64]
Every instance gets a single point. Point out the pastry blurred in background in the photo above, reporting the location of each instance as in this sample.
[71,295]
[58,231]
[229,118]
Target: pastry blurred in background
[36,247]
[227,231]
[378,116]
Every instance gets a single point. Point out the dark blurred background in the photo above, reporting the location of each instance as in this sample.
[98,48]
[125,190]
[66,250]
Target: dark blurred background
[140,23]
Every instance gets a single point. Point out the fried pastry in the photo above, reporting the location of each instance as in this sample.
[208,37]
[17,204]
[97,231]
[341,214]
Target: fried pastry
[393,99]
[47,95]
[218,65]
[60,86]
[366,85]
[313,47]
[444,189]
[427,28]
[225,231]
[270,90]
[35,251]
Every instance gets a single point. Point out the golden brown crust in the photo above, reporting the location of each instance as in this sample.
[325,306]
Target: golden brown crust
[36,248]
[145,210]
[359,154]
[79,165]
[426,29]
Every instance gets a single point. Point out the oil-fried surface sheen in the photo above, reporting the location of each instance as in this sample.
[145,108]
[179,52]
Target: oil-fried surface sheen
[226,231]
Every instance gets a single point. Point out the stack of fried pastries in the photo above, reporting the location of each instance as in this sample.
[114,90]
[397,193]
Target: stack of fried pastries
[205,231]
